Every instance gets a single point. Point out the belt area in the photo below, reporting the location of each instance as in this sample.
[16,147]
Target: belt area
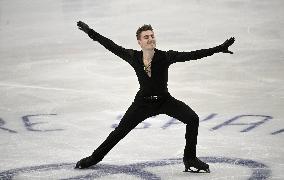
[152,97]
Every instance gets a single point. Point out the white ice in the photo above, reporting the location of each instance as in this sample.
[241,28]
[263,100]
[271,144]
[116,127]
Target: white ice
[61,92]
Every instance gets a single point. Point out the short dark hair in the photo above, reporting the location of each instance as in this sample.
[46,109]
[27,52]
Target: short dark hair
[145,27]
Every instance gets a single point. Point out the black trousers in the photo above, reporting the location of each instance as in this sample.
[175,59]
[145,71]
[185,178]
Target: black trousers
[142,109]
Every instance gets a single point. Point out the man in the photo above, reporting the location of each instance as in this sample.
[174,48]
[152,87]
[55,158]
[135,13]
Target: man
[151,67]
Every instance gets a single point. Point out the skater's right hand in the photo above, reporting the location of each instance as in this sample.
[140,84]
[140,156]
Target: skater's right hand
[83,26]
[226,45]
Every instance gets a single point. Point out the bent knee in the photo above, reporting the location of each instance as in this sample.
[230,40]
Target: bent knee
[195,119]
[192,120]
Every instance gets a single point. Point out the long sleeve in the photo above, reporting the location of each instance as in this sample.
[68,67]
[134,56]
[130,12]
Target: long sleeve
[125,54]
[175,56]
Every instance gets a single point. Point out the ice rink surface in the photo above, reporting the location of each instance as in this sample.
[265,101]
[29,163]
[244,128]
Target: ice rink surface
[61,93]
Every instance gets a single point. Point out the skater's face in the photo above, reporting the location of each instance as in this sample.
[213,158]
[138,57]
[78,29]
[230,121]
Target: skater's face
[147,40]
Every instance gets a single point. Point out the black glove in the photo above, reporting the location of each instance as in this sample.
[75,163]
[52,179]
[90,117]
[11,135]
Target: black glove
[224,47]
[83,26]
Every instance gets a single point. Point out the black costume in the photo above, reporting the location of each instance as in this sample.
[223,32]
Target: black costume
[153,97]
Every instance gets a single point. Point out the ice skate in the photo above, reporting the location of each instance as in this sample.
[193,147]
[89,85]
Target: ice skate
[86,162]
[197,164]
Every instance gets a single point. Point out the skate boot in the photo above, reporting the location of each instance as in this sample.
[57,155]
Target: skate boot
[87,162]
[195,163]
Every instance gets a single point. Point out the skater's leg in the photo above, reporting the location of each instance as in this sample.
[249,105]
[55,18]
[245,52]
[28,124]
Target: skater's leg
[133,116]
[129,121]
[182,112]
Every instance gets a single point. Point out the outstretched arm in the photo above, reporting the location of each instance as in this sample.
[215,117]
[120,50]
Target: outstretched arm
[175,56]
[121,52]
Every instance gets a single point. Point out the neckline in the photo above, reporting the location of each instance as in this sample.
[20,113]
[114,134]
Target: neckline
[143,65]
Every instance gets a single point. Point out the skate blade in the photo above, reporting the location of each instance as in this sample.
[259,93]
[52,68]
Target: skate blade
[77,167]
[197,171]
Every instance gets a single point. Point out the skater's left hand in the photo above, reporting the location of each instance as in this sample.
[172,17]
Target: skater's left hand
[226,45]
[83,26]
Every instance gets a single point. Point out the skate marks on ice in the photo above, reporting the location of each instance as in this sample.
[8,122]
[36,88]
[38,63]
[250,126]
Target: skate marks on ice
[258,169]
[31,122]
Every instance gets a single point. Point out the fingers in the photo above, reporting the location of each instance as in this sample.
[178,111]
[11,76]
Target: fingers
[227,51]
[230,52]
[228,42]
[80,24]
[231,40]
[83,26]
